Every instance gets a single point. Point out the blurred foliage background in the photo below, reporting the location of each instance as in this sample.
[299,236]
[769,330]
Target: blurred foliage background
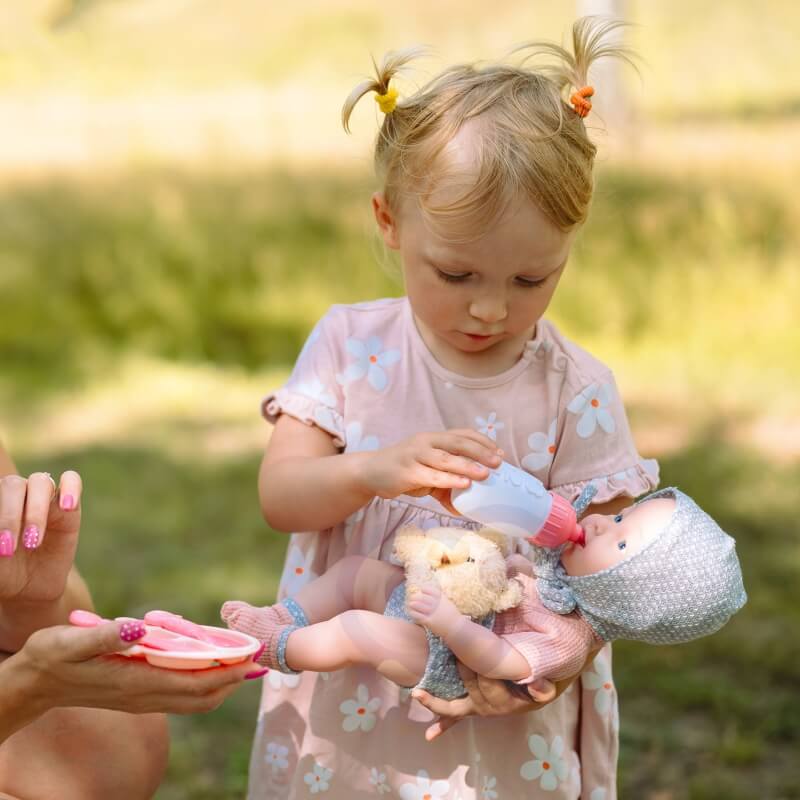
[178,205]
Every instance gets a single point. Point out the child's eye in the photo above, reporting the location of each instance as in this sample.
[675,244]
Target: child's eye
[618,518]
[449,277]
[529,283]
[622,545]
[470,560]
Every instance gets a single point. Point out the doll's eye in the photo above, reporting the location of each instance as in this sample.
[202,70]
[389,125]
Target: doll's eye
[622,545]
[618,518]
[470,560]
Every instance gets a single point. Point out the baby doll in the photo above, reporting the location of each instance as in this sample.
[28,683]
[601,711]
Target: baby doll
[661,572]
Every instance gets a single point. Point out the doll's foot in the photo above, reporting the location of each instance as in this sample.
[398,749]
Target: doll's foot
[271,625]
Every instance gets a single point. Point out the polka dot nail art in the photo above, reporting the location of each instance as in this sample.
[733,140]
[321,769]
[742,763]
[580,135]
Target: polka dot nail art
[131,631]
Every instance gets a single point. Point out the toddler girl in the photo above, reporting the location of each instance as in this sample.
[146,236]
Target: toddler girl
[485,178]
[661,572]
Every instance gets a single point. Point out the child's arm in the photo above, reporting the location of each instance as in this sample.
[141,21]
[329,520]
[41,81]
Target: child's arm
[306,484]
[478,648]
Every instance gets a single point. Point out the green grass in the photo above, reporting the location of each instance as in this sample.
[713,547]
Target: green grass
[686,286]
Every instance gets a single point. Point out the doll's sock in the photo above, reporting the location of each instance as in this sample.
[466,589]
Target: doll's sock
[270,625]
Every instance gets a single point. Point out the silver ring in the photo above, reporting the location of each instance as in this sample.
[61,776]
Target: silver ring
[55,485]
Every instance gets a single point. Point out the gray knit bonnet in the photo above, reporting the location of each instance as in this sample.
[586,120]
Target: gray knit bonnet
[684,584]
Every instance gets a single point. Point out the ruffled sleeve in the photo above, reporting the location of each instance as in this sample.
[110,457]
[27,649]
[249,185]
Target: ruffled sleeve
[595,446]
[312,394]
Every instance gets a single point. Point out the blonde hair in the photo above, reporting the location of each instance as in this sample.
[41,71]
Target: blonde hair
[531,142]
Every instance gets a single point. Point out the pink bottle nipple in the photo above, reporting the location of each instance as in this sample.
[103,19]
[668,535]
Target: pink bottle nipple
[560,526]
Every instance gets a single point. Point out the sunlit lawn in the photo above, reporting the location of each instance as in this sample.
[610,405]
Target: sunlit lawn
[145,315]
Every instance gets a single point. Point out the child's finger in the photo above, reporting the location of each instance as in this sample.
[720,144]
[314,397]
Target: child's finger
[483,441]
[459,465]
[432,478]
[69,491]
[12,506]
[40,491]
[435,730]
[468,449]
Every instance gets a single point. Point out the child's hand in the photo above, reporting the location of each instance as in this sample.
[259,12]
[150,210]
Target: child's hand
[430,463]
[429,607]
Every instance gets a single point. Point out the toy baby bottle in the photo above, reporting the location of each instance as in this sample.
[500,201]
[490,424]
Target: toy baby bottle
[515,503]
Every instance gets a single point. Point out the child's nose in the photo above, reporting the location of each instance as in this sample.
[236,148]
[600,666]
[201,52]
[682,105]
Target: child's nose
[488,308]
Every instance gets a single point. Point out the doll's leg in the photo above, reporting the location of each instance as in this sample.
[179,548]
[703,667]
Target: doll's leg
[396,648]
[353,582]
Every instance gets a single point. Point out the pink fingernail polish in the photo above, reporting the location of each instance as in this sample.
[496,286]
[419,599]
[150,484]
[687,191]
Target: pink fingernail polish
[251,676]
[258,652]
[131,631]
[67,502]
[30,537]
[6,544]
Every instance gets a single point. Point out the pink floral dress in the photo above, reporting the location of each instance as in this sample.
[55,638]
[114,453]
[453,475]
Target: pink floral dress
[367,378]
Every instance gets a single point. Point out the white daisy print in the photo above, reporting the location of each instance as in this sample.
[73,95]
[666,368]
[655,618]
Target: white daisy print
[297,571]
[424,788]
[592,405]
[360,712]
[318,778]
[548,766]
[543,448]
[371,360]
[488,791]
[598,679]
[276,757]
[378,780]
[489,426]
[357,442]
[278,680]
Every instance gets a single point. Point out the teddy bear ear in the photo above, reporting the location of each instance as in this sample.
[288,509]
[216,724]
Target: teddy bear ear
[407,542]
[500,539]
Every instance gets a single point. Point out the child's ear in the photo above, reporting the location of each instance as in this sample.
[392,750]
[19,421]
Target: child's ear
[408,543]
[387,221]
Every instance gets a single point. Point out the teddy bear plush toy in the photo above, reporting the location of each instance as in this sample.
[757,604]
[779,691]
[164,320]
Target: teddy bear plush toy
[469,566]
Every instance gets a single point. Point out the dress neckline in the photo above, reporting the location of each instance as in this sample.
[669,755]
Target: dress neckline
[455,378]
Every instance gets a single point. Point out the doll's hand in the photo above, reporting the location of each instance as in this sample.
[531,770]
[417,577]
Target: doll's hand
[490,698]
[38,535]
[429,463]
[429,607]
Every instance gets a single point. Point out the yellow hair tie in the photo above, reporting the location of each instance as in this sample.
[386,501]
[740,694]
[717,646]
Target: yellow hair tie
[388,101]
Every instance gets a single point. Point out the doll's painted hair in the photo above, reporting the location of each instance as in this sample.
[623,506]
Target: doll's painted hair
[530,141]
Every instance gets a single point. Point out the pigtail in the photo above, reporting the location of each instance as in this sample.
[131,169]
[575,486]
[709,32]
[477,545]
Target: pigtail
[393,63]
[590,42]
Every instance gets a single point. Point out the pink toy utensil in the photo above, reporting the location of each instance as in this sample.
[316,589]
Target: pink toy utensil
[515,503]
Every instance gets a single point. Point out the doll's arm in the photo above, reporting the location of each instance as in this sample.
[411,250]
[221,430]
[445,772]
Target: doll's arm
[478,648]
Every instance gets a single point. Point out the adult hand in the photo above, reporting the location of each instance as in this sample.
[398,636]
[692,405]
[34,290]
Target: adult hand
[490,698]
[429,463]
[71,666]
[38,535]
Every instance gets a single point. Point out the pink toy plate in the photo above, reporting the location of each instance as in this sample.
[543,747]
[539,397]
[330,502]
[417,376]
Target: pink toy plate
[173,642]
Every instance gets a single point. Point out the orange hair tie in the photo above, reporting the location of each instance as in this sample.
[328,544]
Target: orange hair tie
[580,101]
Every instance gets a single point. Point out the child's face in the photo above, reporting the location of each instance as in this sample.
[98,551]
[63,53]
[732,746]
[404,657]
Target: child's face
[477,302]
[613,538]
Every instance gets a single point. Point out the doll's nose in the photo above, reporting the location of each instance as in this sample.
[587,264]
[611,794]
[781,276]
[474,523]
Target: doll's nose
[445,559]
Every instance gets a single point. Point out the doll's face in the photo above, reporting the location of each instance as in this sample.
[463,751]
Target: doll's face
[612,538]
